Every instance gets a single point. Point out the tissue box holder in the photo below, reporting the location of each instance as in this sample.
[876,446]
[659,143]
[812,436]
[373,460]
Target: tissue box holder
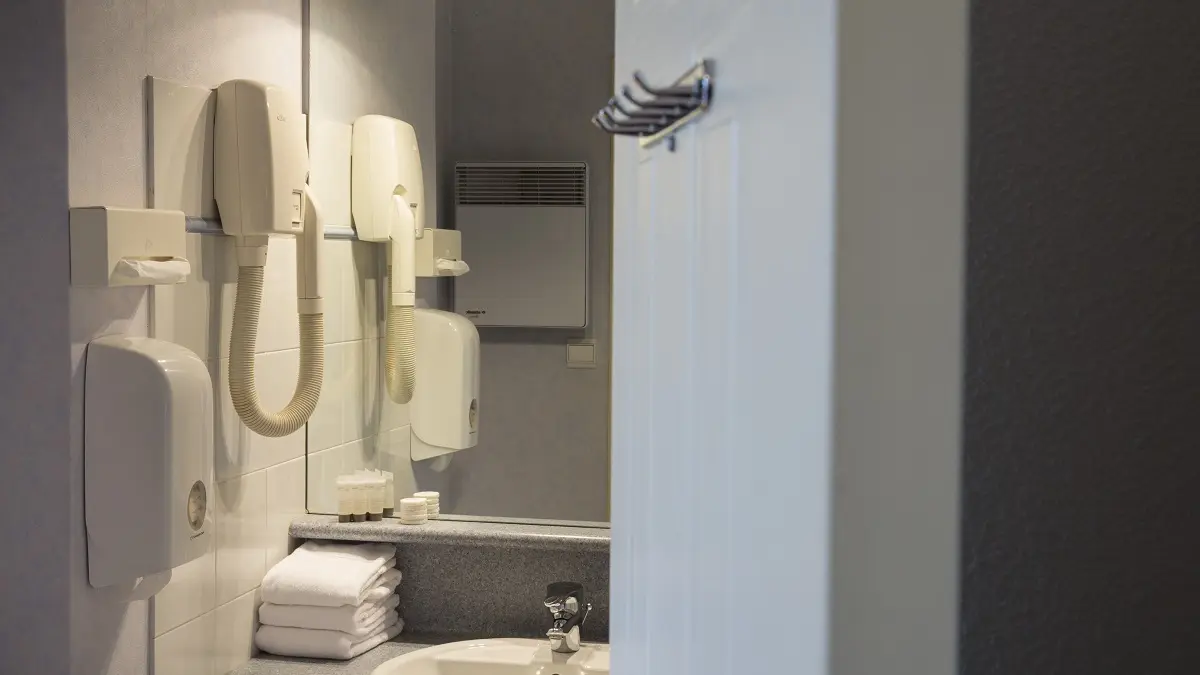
[439,254]
[128,247]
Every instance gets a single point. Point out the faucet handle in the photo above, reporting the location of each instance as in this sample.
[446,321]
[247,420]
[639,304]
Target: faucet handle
[560,593]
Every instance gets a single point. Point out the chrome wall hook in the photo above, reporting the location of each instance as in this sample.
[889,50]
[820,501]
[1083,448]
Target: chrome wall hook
[666,110]
[686,91]
[662,116]
[606,123]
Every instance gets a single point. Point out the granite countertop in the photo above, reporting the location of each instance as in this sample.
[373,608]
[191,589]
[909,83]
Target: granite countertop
[269,664]
[474,533]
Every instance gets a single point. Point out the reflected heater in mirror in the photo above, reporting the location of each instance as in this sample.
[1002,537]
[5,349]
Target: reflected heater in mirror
[525,230]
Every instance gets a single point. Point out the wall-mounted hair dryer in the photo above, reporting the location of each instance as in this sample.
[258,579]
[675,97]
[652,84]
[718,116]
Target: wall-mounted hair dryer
[261,165]
[388,203]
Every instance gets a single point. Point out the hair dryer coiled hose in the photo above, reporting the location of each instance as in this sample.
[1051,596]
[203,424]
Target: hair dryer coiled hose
[241,362]
[400,354]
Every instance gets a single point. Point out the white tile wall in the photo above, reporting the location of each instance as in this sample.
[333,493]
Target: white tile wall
[192,592]
[234,635]
[203,306]
[188,649]
[241,512]
[239,450]
[286,486]
[325,425]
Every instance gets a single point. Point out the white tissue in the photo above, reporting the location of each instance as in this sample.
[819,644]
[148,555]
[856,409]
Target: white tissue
[451,268]
[152,270]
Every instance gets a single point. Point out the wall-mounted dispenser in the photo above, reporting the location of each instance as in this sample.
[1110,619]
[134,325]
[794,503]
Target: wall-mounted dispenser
[127,247]
[387,194]
[445,407]
[439,254]
[148,458]
[260,168]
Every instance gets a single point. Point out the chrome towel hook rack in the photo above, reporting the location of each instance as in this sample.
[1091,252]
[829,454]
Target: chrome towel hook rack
[660,112]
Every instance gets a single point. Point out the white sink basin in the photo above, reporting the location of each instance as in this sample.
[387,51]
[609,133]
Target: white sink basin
[505,656]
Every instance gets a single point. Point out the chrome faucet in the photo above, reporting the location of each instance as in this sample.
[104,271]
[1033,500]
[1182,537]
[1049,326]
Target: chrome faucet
[564,599]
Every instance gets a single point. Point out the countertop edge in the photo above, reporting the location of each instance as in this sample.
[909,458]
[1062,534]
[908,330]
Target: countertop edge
[268,664]
[501,535]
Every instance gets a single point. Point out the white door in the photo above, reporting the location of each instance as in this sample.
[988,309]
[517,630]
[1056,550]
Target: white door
[787,342]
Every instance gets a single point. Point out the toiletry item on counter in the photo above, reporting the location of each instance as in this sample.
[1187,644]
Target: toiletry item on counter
[327,574]
[321,644]
[413,511]
[376,487]
[432,503]
[366,495]
[361,499]
[356,620]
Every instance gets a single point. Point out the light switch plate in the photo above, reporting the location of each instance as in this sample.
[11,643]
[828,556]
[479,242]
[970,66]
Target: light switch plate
[581,353]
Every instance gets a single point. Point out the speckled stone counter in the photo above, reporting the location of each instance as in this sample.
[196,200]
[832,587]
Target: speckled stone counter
[473,579]
[469,533]
[268,664]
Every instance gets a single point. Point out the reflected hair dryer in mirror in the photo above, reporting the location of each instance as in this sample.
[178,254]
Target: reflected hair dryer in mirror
[431,357]
[387,192]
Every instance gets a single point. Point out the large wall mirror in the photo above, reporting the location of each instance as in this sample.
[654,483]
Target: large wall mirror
[502,92]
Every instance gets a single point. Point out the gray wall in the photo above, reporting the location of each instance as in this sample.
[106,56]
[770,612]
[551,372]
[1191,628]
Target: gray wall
[526,76]
[35,379]
[900,234]
[1082,452]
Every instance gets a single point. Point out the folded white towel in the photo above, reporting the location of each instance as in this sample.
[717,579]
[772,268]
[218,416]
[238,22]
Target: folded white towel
[321,644]
[385,587]
[390,617]
[327,575]
[357,620]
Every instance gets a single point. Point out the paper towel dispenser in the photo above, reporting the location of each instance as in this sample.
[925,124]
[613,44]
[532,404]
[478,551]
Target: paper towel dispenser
[148,458]
[445,406]
[439,254]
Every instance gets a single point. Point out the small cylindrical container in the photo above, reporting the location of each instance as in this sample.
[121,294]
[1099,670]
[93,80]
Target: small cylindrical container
[433,507]
[413,511]
[360,500]
[375,488]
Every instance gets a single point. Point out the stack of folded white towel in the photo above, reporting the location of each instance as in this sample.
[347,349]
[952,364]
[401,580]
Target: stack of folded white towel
[332,601]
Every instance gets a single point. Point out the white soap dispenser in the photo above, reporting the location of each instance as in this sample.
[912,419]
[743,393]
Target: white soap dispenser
[148,458]
[445,406]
